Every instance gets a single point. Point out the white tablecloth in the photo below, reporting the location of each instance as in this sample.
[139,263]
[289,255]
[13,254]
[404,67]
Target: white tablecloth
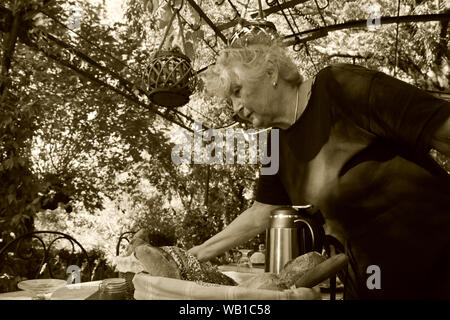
[81,291]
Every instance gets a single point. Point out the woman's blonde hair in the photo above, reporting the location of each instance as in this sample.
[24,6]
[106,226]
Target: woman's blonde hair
[256,60]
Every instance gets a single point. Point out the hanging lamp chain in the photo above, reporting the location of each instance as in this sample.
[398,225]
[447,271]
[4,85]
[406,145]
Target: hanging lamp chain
[261,12]
[183,40]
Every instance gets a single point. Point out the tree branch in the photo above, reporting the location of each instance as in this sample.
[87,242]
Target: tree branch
[441,47]
[9,46]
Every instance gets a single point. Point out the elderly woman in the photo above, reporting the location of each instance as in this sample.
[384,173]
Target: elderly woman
[354,143]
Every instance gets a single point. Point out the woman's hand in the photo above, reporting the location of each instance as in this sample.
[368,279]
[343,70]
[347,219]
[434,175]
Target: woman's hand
[196,252]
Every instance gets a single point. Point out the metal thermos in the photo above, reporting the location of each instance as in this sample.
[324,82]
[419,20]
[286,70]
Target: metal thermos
[291,233]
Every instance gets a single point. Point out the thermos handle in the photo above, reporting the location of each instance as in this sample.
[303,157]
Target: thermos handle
[311,229]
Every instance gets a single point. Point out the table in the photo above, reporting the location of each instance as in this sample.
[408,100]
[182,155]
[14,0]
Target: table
[81,291]
[233,271]
[89,290]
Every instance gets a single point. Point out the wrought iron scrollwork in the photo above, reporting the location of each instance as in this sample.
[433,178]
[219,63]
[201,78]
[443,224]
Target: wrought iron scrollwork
[24,249]
[307,16]
[298,46]
[271,3]
[123,236]
[193,27]
[237,14]
[324,7]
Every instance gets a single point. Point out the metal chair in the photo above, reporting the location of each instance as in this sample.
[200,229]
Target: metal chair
[123,236]
[25,248]
[332,246]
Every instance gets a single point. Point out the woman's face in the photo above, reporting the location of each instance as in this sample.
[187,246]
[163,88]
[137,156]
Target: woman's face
[253,102]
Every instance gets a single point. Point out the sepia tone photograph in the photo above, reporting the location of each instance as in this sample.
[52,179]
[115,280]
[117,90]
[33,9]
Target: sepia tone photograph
[233,153]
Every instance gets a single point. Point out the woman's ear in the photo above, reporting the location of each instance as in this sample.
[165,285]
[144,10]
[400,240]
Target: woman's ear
[272,72]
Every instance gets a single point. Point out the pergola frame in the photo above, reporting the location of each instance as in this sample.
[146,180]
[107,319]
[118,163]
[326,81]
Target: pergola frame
[16,27]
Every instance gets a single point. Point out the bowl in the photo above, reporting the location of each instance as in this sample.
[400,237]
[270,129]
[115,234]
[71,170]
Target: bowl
[41,289]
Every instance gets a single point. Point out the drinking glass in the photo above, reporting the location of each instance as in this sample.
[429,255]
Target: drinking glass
[244,264]
[41,289]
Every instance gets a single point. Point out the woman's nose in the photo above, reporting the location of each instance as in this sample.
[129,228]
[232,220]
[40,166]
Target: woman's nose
[239,112]
[241,115]
[236,105]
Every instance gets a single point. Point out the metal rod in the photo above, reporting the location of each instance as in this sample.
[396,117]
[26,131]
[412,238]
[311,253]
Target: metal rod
[274,9]
[396,41]
[169,26]
[362,23]
[261,12]
[207,20]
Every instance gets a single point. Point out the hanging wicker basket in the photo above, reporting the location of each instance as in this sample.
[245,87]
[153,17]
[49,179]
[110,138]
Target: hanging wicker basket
[170,79]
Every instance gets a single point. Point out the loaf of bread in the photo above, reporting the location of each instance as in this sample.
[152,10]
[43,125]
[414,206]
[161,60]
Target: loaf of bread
[291,272]
[155,263]
[296,268]
[177,263]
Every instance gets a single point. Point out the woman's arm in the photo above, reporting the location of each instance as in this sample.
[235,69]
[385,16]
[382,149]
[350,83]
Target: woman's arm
[247,225]
[441,139]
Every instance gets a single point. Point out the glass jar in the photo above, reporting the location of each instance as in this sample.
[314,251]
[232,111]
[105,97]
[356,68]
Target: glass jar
[244,264]
[113,289]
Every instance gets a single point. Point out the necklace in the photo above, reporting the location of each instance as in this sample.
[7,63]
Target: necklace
[296,108]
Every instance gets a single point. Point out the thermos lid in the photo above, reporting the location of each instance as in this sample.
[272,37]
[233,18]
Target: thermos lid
[285,217]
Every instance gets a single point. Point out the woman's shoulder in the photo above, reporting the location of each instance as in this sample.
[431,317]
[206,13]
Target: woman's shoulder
[339,70]
[348,79]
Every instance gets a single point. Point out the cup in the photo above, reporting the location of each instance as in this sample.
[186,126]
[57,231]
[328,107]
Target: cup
[41,289]
[244,264]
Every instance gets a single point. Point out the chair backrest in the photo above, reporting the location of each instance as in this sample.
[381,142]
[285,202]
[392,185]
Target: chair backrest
[125,236]
[34,255]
